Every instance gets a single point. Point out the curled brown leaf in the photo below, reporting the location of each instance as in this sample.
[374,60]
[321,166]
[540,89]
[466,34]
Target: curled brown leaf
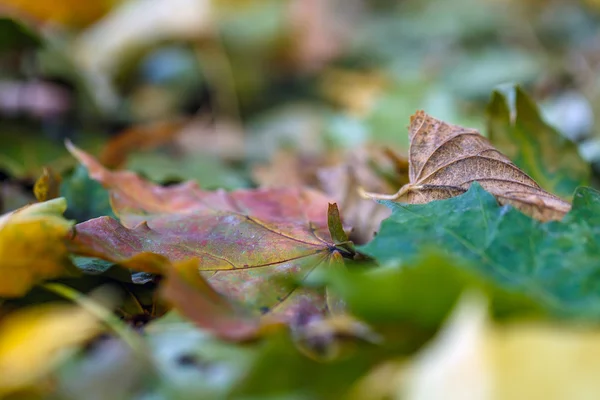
[444,160]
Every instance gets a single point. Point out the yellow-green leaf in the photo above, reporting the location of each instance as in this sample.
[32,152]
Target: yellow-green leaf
[32,246]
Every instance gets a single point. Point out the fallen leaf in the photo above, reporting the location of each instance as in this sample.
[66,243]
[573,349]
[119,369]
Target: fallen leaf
[187,291]
[445,159]
[456,355]
[47,187]
[539,150]
[243,239]
[515,251]
[31,341]
[32,246]
[472,358]
[402,294]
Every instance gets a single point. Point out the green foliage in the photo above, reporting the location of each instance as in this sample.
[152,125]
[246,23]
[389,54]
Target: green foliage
[423,292]
[520,133]
[510,248]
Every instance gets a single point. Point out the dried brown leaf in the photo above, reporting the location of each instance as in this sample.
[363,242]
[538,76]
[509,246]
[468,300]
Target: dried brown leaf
[445,159]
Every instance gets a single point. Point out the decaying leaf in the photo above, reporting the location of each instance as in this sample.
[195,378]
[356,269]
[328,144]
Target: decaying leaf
[31,340]
[32,246]
[185,289]
[243,239]
[445,159]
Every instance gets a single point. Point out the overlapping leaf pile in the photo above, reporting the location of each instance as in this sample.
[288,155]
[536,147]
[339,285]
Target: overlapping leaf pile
[264,282]
[243,240]
[197,200]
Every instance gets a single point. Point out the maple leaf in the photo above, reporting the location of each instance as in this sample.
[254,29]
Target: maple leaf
[512,249]
[185,289]
[32,246]
[445,159]
[243,238]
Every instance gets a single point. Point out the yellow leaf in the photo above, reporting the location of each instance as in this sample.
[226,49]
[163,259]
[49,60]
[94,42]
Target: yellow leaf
[32,246]
[472,358]
[32,340]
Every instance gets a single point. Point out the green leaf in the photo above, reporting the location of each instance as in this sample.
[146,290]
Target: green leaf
[421,294]
[555,262]
[336,230]
[552,160]
[85,197]
[335,224]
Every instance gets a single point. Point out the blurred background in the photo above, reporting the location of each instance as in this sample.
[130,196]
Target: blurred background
[216,90]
